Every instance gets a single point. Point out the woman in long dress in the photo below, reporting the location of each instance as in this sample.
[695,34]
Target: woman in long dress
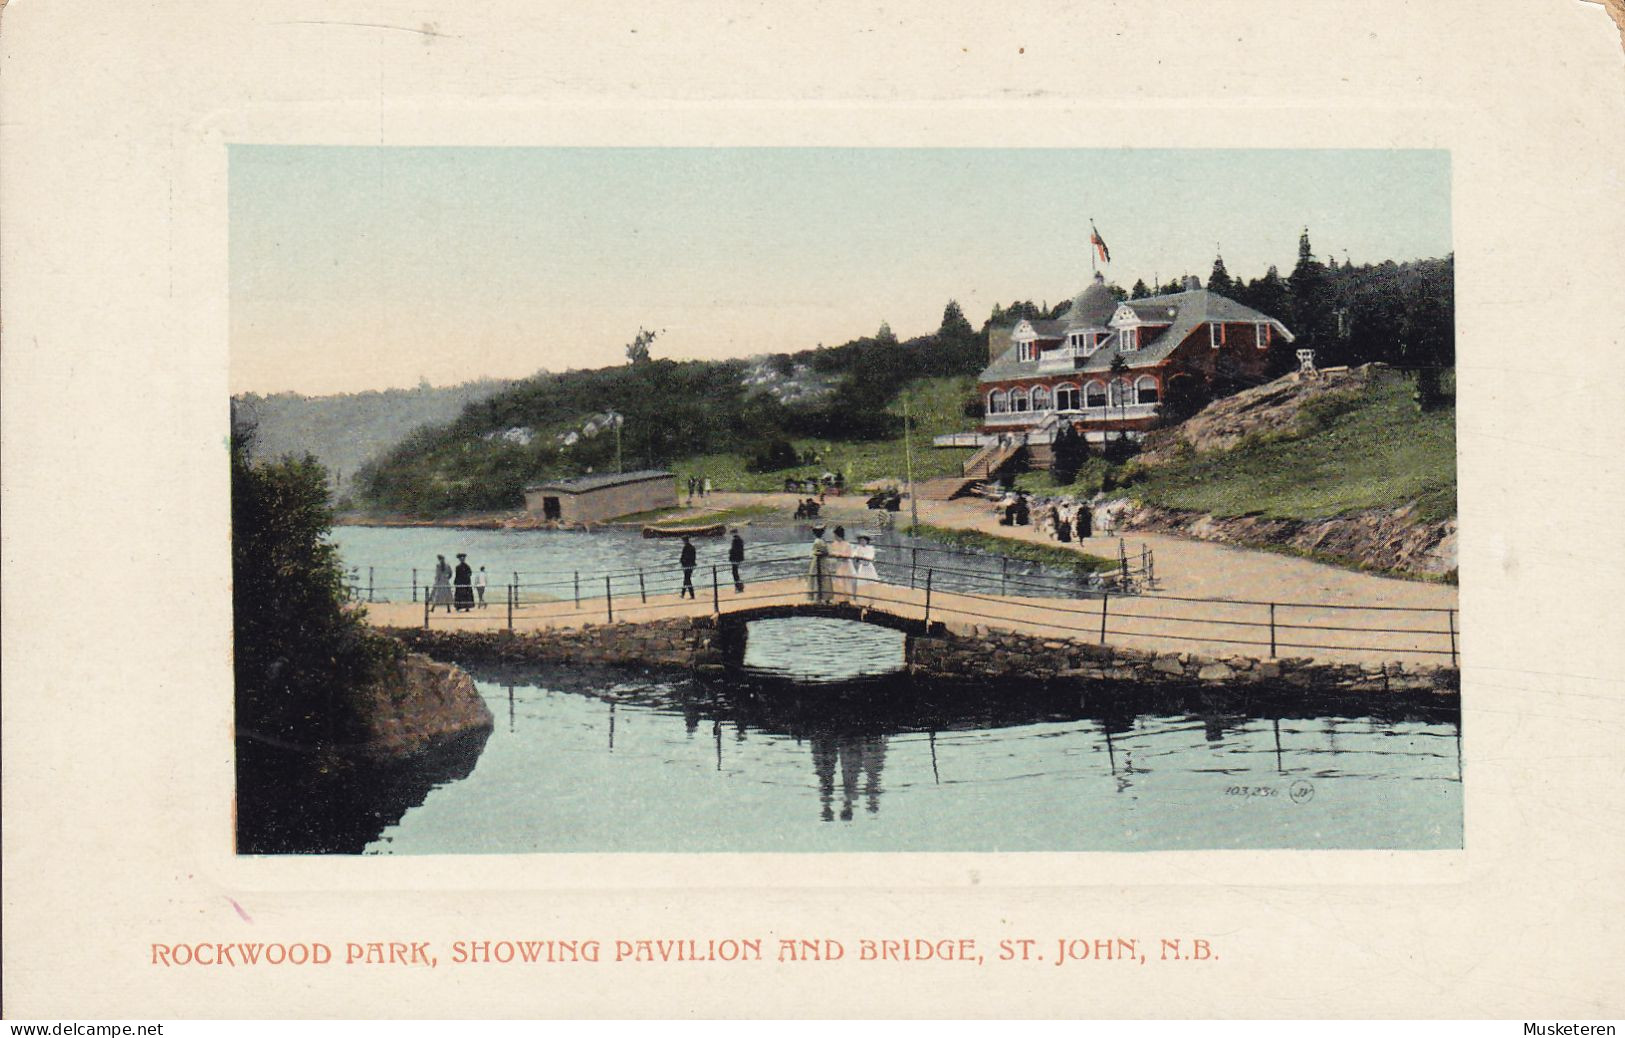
[441,593]
[863,565]
[820,571]
[840,553]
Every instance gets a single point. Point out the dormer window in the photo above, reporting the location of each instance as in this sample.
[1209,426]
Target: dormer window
[1025,351]
[1128,340]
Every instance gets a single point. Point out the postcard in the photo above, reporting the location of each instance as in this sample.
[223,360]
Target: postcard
[651,511]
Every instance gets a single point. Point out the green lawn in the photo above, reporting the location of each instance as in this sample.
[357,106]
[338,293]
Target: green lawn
[936,405]
[1015,548]
[1379,453]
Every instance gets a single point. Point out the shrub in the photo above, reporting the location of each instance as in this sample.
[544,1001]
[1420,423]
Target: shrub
[301,657]
[779,454]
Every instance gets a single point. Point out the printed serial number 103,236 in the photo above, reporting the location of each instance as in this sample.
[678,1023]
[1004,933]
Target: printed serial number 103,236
[1251,791]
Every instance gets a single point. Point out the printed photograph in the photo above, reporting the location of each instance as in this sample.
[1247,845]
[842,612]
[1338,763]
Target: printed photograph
[842,500]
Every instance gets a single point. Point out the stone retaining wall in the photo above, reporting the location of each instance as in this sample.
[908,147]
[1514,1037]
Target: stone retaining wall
[998,654]
[675,642]
[698,643]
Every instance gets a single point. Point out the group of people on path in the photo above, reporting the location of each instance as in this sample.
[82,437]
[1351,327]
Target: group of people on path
[700,485]
[457,587]
[689,557]
[839,568]
[1060,519]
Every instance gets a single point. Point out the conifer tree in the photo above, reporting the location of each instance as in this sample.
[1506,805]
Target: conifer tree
[1219,280]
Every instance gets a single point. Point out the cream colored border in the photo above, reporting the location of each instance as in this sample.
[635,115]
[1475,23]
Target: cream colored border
[117,755]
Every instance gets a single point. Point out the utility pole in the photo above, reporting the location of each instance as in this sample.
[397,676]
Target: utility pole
[908,456]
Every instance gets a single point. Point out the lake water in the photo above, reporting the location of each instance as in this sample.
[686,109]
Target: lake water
[865,759]
[547,562]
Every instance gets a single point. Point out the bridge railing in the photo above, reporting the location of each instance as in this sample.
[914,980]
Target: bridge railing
[955,567]
[947,594]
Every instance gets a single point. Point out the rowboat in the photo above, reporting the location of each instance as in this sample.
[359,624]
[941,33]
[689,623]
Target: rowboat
[714,530]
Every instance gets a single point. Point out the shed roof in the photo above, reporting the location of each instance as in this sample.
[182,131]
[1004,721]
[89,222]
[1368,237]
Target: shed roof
[582,484]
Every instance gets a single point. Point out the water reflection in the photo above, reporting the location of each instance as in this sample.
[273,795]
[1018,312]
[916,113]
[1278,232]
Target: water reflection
[859,759]
[614,759]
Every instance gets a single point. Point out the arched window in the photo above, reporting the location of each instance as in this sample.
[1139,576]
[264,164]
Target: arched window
[1121,392]
[1040,398]
[1067,397]
[1145,390]
[1094,394]
[998,402]
[1018,400]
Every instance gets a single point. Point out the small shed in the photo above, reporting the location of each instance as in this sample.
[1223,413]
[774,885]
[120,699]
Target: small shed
[594,499]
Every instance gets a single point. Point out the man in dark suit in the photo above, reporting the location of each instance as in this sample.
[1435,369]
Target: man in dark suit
[736,558]
[687,560]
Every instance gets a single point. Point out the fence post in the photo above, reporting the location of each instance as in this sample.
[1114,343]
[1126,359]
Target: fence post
[425,607]
[1272,630]
[369,583]
[609,599]
[913,565]
[414,583]
[513,595]
[716,604]
[1122,559]
[1105,596]
[643,592]
[1151,569]
[1452,617]
[516,578]
[928,598]
[1004,574]
[578,588]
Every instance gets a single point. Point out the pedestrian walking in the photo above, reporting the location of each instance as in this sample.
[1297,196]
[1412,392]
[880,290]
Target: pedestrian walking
[1086,522]
[479,586]
[736,558]
[463,581]
[440,595]
[687,560]
[705,486]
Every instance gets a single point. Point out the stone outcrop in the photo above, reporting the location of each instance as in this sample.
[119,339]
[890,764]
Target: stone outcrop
[421,703]
[1383,539]
[1271,408]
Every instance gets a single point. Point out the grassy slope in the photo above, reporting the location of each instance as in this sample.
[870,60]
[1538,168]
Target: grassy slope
[1380,454]
[934,403]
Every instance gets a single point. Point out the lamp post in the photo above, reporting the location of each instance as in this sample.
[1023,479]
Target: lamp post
[908,456]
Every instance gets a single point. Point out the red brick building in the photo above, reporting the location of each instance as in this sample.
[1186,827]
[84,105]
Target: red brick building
[1061,370]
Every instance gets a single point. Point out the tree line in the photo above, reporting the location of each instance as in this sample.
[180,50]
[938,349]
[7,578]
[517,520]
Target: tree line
[1398,313]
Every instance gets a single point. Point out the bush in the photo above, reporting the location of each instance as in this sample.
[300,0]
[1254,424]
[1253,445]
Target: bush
[779,454]
[301,657]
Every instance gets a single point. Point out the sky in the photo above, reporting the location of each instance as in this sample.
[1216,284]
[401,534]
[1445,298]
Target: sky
[357,268]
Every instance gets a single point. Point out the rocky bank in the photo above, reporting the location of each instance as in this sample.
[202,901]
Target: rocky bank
[422,703]
[1392,540]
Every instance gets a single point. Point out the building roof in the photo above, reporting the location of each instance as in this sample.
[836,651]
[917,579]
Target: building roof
[582,484]
[1093,307]
[1191,309]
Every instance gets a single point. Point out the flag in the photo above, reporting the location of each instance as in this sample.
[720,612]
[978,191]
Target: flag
[1099,244]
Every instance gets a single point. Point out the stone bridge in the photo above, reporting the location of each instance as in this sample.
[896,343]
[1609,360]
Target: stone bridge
[714,641]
